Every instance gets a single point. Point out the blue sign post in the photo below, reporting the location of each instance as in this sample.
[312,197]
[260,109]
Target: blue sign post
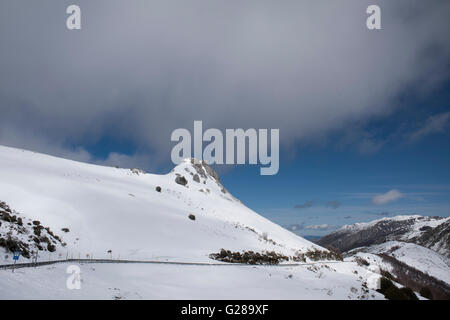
[15,257]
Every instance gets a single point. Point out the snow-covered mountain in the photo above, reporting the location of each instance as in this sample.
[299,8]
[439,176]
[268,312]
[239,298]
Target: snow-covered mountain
[430,232]
[414,250]
[134,214]
[66,209]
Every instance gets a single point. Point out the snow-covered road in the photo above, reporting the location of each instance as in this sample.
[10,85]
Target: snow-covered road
[175,281]
[44,263]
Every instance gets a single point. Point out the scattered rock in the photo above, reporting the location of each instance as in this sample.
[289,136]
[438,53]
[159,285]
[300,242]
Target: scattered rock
[25,235]
[181,180]
[137,171]
[6,217]
[192,217]
[361,261]
[196,178]
[51,247]
[158,189]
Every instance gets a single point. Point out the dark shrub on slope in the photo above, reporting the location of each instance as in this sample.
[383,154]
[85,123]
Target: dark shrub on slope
[426,293]
[416,279]
[249,257]
[391,292]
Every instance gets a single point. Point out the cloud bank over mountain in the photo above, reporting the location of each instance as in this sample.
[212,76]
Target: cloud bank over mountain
[136,72]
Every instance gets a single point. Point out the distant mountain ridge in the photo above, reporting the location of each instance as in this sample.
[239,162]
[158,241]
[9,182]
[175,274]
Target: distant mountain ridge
[429,232]
[412,250]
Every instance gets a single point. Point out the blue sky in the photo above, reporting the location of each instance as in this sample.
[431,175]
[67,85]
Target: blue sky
[334,183]
[331,174]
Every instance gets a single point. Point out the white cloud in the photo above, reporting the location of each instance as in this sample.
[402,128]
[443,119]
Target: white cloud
[141,161]
[319,227]
[435,124]
[389,196]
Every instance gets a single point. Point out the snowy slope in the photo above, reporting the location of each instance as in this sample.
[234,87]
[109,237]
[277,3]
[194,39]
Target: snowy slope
[413,249]
[421,258]
[85,209]
[106,208]
[138,281]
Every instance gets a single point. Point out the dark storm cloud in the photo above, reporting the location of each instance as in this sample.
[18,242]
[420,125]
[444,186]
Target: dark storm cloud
[139,69]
